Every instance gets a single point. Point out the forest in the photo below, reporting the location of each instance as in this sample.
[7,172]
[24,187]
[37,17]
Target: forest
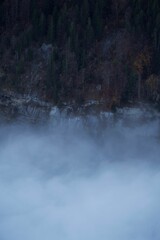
[73,51]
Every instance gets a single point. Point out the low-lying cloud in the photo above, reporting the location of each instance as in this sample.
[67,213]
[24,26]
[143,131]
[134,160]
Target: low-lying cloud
[69,184]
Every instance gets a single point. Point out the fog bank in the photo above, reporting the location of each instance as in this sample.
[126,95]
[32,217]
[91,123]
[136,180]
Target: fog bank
[70,183]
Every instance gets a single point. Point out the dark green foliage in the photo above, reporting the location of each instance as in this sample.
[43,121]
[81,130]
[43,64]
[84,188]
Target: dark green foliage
[2,17]
[130,87]
[20,68]
[55,21]
[42,25]
[89,34]
[84,12]
[51,31]
[30,55]
[75,28]
[52,79]
[145,20]
[97,20]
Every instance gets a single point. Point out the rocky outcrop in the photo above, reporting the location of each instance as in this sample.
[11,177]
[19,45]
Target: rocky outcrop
[23,107]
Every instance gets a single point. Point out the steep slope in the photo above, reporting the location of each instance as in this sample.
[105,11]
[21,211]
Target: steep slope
[74,51]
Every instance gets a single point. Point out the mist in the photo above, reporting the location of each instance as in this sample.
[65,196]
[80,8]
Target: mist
[73,183]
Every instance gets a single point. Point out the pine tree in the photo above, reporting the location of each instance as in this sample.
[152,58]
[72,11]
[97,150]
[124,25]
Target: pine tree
[42,25]
[97,21]
[84,13]
[50,33]
[52,83]
[89,34]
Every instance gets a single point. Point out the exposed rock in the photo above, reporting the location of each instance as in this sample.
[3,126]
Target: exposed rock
[23,107]
[46,50]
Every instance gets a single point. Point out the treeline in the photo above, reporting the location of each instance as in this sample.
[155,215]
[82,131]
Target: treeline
[75,28]
[59,22]
[145,22]
[72,27]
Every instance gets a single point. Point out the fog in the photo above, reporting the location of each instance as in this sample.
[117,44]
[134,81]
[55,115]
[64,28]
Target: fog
[73,183]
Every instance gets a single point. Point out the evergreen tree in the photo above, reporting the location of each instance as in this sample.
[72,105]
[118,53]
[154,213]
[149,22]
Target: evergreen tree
[42,25]
[50,33]
[52,83]
[89,34]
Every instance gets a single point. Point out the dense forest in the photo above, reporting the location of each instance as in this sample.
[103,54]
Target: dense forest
[74,51]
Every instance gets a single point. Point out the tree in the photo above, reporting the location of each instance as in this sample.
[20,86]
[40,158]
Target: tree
[52,83]
[153,87]
[50,33]
[97,21]
[142,60]
[89,34]
[84,12]
[42,25]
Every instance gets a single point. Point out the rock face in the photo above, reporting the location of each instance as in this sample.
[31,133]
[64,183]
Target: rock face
[46,51]
[23,107]
[30,109]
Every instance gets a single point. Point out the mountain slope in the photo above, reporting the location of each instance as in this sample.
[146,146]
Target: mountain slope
[73,51]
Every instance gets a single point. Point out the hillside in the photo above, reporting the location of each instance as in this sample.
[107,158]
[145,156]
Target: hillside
[74,51]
